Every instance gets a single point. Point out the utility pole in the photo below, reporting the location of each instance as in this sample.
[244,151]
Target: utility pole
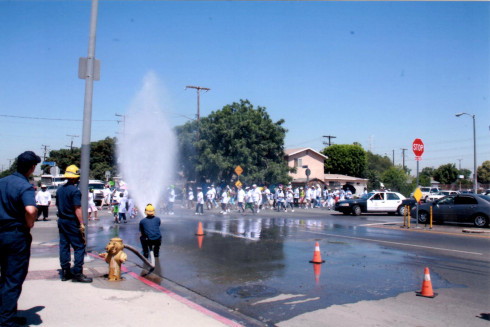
[330,137]
[460,163]
[45,149]
[71,143]
[403,156]
[393,158]
[198,88]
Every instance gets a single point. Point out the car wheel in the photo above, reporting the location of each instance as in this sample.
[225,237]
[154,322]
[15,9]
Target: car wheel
[356,210]
[423,217]
[480,220]
[401,210]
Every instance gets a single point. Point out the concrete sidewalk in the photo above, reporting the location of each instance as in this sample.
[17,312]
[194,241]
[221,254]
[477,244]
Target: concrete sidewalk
[134,301]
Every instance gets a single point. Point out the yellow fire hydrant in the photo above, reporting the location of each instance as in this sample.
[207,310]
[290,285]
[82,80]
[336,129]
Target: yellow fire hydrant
[114,256]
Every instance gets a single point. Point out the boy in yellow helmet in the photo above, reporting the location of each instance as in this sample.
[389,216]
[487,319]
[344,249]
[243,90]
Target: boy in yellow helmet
[151,237]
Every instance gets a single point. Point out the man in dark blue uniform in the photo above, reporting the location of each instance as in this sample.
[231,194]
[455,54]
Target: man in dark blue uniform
[71,227]
[18,213]
[151,237]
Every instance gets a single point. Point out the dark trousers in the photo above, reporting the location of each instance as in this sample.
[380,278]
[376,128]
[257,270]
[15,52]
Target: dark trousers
[148,245]
[199,208]
[42,210]
[70,236]
[15,251]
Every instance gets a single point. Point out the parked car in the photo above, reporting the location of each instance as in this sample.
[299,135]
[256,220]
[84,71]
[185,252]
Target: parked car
[486,192]
[391,202]
[458,208]
[440,195]
[98,187]
[426,192]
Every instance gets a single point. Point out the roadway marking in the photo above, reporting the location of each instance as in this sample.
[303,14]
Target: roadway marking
[374,224]
[395,243]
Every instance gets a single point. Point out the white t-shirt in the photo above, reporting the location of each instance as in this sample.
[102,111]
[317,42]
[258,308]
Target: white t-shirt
[241,195]
[200,197]
[224,197]
[43,198]
[171,195]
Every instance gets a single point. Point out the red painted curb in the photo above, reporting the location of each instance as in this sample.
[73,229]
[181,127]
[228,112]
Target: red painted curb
[177,297]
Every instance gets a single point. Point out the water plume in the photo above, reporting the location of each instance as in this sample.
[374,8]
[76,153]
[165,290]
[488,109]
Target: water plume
[147,149]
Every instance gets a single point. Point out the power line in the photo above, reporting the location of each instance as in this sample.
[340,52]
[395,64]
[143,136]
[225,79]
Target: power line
[45,118]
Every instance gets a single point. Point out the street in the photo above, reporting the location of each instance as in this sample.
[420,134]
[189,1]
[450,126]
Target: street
[258,266]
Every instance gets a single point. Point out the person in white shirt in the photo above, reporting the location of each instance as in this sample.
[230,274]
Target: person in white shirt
[171,200]
[296,196]
[240,199]
[106,193]
[200,201]
[289,200]
[43,200]
[280,198]
[91,206]
[307,197]
[190,198]
[266,195]
[224,201]
[249,199]
[257,197]
[123,208]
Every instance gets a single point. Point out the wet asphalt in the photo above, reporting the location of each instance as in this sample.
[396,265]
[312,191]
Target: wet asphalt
[247,263]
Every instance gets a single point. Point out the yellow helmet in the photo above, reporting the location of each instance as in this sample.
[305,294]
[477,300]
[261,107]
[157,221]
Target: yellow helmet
[72,171]
[150,210]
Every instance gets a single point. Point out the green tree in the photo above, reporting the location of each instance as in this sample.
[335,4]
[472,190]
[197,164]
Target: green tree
[346,159]
[426,175]
[376,166]
[102,158]
[12,169]
[395,179]
[238,134]
[446,174]
[483,172]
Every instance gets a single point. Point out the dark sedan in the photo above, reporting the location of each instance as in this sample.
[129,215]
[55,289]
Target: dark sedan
[463,208]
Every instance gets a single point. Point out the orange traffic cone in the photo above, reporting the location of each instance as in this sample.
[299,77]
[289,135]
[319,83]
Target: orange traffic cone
[199,240]
[199,230]
[317,257]
[426,286]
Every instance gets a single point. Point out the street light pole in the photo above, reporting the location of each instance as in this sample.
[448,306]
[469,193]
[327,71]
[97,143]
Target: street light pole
[474,149]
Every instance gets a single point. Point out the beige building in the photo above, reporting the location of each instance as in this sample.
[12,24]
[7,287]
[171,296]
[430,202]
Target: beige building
[303,159]
[307,158]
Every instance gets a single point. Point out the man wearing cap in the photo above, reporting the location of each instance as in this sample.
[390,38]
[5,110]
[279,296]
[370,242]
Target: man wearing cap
[43,200]
[71,227]
[18,212]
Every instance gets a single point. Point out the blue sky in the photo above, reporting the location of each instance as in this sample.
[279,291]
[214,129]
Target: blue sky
[377,73]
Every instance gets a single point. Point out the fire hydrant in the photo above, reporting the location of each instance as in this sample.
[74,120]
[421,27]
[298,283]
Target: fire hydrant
[114,256]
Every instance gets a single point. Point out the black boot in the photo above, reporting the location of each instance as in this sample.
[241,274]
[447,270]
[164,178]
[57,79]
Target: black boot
[81,278]
[66,274]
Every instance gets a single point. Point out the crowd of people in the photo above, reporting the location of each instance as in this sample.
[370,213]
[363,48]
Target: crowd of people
[254,198]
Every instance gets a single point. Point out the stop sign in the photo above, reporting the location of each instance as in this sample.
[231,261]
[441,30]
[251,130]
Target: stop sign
[418,147]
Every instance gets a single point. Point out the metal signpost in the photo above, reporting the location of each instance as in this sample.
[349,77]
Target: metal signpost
[89,69]
[418,150]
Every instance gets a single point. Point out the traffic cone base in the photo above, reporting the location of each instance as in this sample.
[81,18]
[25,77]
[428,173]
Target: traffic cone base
[426,286]
[317,257]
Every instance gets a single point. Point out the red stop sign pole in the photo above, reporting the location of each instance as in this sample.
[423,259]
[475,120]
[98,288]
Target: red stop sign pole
[418,150]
